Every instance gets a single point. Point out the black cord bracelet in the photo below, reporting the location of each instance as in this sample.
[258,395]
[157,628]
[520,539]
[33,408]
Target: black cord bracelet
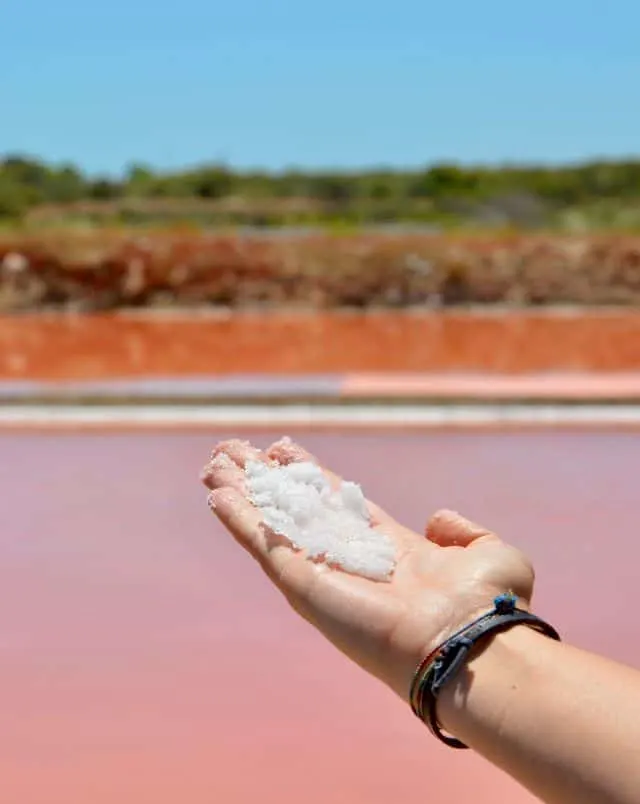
[443,664]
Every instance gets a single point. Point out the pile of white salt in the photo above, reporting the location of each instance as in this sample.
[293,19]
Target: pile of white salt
[334,526]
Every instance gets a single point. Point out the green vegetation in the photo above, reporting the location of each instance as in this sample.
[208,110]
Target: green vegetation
[597,195]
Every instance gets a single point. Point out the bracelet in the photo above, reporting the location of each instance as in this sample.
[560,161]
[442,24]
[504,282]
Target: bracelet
[441,665]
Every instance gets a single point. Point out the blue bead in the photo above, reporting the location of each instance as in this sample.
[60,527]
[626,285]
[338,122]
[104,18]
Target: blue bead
[505,602]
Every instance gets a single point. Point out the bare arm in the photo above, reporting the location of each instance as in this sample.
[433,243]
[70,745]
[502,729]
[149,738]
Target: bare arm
[563,722]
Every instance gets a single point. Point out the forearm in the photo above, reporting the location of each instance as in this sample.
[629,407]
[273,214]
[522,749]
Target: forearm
[564,723]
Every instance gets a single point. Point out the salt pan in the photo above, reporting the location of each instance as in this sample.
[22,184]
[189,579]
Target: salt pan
[297,502]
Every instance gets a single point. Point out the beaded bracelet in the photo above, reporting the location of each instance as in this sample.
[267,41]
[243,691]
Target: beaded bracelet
[444,662]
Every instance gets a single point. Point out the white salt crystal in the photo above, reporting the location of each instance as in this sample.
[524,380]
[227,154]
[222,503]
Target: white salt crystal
[353,499]
[297,501]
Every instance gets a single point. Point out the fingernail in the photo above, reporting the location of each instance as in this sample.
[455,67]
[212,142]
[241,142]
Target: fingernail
[469,525]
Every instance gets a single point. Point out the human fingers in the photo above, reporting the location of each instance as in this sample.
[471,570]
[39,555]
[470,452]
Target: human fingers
[222,471]
[286,451]
[240,452]
[285,566]
[449,528]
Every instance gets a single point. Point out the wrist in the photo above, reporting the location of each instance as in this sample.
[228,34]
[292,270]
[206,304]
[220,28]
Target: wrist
[477,701]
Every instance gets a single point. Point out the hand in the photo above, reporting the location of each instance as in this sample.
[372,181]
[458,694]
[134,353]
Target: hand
[442,580]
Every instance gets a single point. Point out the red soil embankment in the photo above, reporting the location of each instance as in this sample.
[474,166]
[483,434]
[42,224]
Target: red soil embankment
[109,269]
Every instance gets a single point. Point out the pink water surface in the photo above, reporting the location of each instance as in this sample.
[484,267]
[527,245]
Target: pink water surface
[145,660]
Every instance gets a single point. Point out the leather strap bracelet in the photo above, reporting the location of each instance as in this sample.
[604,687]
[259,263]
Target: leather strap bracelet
[441,665]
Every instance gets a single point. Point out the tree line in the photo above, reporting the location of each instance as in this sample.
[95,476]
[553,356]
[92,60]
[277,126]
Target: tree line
[529,193]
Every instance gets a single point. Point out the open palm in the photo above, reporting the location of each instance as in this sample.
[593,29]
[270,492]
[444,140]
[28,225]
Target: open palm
[442,580]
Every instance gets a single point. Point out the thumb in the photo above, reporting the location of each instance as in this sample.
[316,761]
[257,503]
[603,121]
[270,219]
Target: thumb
[448,529]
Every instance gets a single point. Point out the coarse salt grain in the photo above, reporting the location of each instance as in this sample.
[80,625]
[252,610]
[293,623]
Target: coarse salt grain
[297,502]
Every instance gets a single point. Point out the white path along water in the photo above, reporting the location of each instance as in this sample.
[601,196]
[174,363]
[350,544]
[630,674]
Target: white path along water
[395,416]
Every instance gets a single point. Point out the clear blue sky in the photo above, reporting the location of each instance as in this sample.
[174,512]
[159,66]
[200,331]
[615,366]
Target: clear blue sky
[344,83]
